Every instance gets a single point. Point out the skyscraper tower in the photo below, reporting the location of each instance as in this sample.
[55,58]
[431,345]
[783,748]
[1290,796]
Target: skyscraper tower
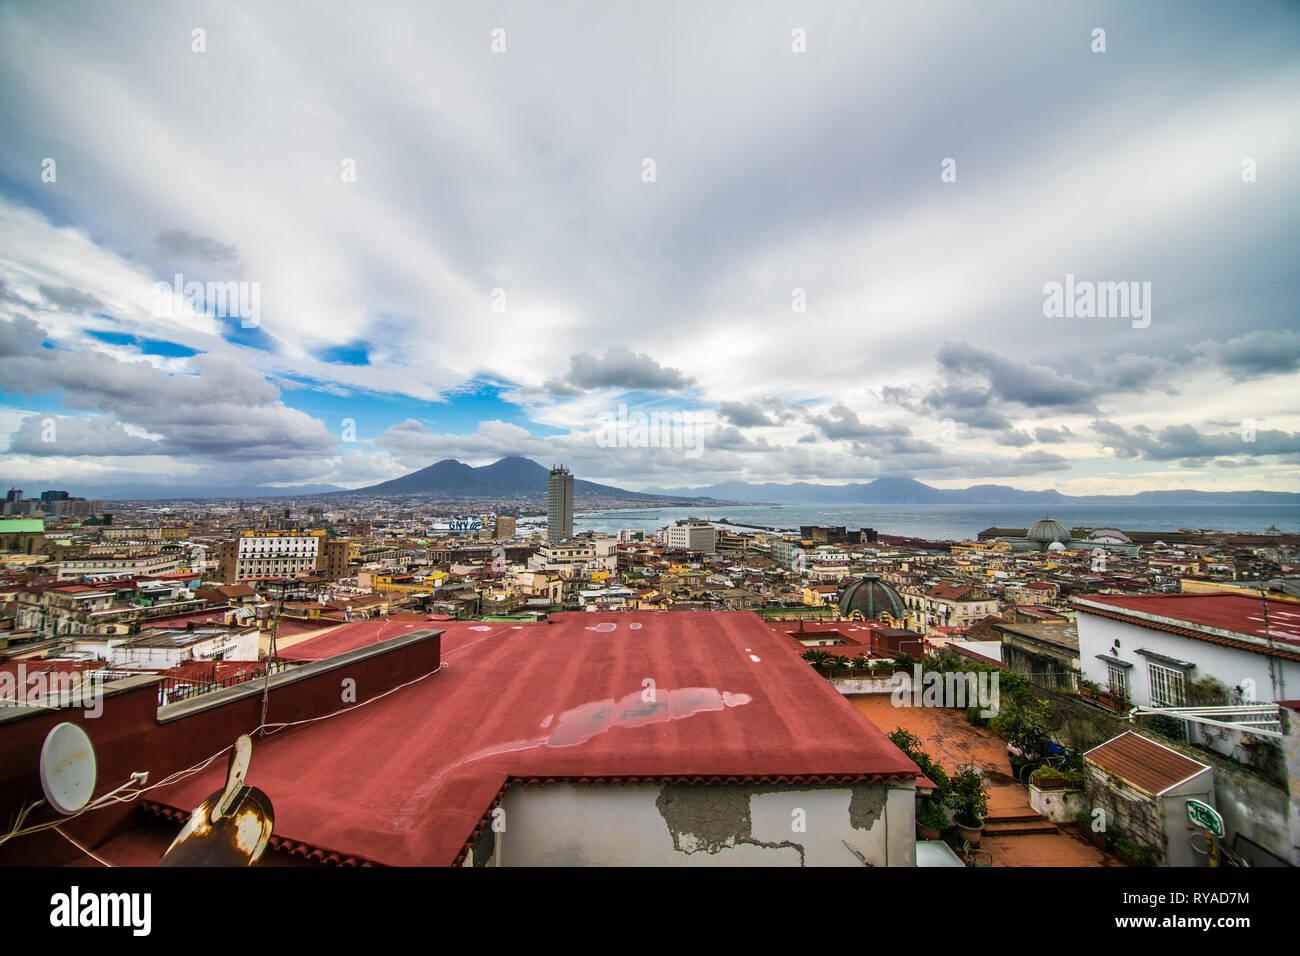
[559,505]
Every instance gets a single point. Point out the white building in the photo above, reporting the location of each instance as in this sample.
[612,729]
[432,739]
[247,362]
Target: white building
[572,556]
[692,536]
[106,566]
[277,554]
[163,648]
[1148,648]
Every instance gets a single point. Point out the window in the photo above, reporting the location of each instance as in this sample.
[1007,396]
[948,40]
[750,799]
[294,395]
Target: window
[1167,689]
[1118,680]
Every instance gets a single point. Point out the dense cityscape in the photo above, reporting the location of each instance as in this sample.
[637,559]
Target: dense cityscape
[572,437]
[1184,641]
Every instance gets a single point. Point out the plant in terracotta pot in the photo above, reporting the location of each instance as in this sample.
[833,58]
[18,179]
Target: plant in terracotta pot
[1048,778]
[969,800]
[930,818]
[1130,852]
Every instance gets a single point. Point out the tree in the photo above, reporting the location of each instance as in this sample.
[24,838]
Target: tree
[819,658]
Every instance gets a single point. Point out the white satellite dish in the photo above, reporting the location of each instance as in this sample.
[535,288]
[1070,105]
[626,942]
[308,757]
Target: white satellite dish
[67,768]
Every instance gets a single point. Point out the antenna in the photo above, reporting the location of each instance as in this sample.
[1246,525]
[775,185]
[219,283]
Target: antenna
[68,768]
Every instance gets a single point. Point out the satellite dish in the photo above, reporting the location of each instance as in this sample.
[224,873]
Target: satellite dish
[67,768]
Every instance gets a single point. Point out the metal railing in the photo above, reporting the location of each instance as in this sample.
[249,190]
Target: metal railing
[172,689]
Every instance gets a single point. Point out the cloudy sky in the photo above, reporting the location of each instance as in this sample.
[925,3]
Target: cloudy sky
[815,238]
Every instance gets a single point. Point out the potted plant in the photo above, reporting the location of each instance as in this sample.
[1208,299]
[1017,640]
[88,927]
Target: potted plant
[1048,778]
[1024,725]
[930,818]
[969,799]
[1083,823]
[1130,852]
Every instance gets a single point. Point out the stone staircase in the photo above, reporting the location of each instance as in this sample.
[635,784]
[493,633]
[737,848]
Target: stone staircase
[1008,822]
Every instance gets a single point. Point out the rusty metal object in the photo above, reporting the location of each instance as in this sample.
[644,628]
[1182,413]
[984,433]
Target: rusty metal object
[232,827]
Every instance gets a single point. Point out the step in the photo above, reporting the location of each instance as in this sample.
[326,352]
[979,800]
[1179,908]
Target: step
[993,828]
[1012,816]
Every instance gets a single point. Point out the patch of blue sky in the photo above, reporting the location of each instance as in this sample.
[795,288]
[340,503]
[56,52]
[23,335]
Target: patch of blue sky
[233,329]
[659,401]
[353,353]
[374,412]
[50,402]
[147,346]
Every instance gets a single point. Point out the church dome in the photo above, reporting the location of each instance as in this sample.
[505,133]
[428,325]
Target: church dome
[872,597]
[1056,546]
[1046,531]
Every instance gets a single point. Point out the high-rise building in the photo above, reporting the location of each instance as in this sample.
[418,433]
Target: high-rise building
[559,505]
[505,527]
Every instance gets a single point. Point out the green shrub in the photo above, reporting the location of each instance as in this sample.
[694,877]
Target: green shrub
[910,744]
[929,814]
[1025,725]
[969,798]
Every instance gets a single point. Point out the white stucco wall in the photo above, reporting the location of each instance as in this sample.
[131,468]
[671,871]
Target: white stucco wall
[631,825]
[1097,635]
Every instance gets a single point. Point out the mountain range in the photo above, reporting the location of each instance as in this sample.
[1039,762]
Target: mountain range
[908,491]
[522,477]
[512,477]
[517,477]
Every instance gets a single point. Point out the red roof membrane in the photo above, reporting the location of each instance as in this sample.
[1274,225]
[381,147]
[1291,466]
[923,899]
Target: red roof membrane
[706,697]
[1239,613]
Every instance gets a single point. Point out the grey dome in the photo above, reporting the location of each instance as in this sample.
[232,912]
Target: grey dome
[872,597]
[1046,531]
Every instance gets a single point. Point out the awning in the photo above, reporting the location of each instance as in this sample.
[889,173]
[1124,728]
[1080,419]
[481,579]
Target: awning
[1113,660]
[1167,661]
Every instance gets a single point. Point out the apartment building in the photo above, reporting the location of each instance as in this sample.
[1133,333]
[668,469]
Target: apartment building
[951,605]
[692,536]
[281,554]
[120,566]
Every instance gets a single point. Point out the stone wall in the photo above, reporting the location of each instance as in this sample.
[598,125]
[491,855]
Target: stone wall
[1128,809]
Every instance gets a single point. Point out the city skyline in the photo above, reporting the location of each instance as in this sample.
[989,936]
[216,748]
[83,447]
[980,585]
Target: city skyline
[799,245]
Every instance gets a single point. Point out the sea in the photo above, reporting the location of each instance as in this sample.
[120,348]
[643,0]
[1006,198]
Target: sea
[954,522]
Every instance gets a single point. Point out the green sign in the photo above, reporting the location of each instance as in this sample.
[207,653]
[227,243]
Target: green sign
[1205,817]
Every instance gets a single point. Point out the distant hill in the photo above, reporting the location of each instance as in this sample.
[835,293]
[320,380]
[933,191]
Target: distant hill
[512,477]
[908,491]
